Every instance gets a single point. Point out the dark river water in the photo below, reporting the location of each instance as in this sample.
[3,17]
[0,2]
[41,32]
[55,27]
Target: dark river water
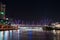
[26,35]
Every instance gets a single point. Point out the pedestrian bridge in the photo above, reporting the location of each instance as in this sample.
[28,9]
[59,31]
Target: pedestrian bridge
[20,25]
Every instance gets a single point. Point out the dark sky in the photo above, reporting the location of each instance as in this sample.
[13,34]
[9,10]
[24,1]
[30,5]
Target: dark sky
[32,9]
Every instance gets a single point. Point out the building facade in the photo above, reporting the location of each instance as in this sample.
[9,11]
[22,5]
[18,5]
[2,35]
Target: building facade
[2,11]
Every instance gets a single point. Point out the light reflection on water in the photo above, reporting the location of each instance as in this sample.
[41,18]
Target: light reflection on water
[6,35]
[29,35]
[1,35]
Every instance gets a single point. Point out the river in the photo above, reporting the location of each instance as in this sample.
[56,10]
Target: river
[26,35]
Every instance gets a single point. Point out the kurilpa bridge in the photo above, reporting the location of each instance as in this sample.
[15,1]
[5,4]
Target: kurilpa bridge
[37,27]
[19,26]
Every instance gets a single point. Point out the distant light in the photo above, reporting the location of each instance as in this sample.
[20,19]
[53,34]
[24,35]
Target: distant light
[6,18]
[2,21]
[54,31]
[58,25]
[2,13]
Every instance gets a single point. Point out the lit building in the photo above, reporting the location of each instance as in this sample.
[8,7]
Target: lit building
[57,31]
[57,24]
[2,11]
[2,14]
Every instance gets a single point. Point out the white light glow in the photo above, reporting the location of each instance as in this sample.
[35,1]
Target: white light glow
[31,28]
[58,25]
[54,32]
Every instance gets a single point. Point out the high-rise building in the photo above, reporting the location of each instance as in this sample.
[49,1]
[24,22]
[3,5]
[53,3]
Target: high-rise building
[2,11]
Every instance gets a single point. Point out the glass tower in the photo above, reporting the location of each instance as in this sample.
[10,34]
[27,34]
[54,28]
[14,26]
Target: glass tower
[2,13]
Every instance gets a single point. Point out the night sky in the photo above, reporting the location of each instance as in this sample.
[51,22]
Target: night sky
[33,9]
